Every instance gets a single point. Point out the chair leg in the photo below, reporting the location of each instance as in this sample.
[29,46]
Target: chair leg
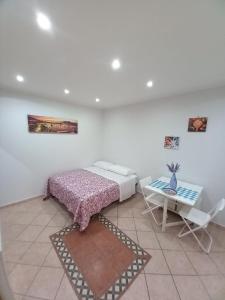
[210,240]
[150,210]
[182,230]
[158,223]
[181,234]
[146,211]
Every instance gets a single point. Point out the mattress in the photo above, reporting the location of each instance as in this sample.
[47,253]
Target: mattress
[127,184]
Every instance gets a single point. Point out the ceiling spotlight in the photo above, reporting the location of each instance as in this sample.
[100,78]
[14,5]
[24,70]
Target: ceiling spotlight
[97,100]
[66,91]
[43,21]
[149,83]
[116,64]
[19,78]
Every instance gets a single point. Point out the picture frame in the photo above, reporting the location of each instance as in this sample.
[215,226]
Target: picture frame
[172,142]
[44,124]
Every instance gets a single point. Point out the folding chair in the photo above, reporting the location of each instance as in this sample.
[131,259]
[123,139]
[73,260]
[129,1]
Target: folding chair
[152,201]
[201,220]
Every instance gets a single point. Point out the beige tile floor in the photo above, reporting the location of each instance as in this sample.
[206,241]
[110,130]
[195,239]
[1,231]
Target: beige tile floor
[178,268]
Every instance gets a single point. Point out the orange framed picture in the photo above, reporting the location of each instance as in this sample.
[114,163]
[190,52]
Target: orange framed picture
[198,124]
[43,124]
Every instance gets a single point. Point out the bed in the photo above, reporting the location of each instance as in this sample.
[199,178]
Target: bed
[86,192]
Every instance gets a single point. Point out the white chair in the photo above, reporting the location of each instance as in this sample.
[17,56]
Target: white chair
[153,201]
[200,220]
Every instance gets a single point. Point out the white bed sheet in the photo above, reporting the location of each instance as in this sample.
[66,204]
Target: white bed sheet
[127,183]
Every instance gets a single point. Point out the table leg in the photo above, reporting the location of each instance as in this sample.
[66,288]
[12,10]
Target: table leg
[164,214]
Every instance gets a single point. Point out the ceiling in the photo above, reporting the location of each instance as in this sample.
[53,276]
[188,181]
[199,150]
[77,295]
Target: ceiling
[179,44]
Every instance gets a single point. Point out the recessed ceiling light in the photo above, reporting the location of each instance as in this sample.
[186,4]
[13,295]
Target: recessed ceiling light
[116,64]
[149,83]
[43,21]
[97,100]
[19,78]
[66,91]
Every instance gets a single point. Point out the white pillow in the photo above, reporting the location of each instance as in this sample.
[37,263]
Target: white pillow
[105,165]
[121,170]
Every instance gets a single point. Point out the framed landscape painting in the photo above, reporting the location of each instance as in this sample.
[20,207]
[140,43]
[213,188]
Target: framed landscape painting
[198,124]
[43,124]
[171,142]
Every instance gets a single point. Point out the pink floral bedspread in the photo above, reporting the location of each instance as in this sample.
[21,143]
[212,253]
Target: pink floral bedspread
[83,193]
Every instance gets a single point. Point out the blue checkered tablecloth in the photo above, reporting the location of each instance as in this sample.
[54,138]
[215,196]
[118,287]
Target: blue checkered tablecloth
[181,191]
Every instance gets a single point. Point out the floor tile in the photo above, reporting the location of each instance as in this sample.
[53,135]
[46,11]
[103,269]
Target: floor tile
[126,223]
[157,263]
[137,290]
[30,233]
[137,213]
[190,288]
[125,204]
[52,260]
[46,283]
[42,219]
[18,218]
[36,254]
[125,212]
[215,285]
[15,250]
[188,243]
[110,211]
[218,245]
[113,220]
[161,287]
[23,206]
[66,291]
[202,263]
[21,278]
[169,241]
[178,263]
[23,217]
[31,298]
[148,240]
[18,297]
[9,267]
[6,216]
[143,224]
[131,234]
[58,220]
[137,202]
[44,235]
[49,206]
[133,202]
[11,231]
[219,260]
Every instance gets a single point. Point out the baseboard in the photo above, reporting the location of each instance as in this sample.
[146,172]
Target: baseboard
[20,201]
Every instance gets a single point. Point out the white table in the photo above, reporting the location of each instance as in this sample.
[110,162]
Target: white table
[187,194]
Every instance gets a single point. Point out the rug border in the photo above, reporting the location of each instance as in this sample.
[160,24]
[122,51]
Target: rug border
[115,230]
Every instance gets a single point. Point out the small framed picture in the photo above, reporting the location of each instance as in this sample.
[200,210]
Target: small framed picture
[198,124]
[171,142]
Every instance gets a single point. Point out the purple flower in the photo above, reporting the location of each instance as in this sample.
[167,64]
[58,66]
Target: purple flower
[173,168]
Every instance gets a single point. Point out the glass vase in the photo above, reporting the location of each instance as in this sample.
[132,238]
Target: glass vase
[173,182]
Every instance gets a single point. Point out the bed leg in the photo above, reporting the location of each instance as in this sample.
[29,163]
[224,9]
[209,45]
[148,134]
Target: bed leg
[46,198]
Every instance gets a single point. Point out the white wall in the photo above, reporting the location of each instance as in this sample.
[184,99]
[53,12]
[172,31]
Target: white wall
[27,159]
[134,136]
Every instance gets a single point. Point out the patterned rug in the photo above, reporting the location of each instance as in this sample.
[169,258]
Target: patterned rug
[100,262]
